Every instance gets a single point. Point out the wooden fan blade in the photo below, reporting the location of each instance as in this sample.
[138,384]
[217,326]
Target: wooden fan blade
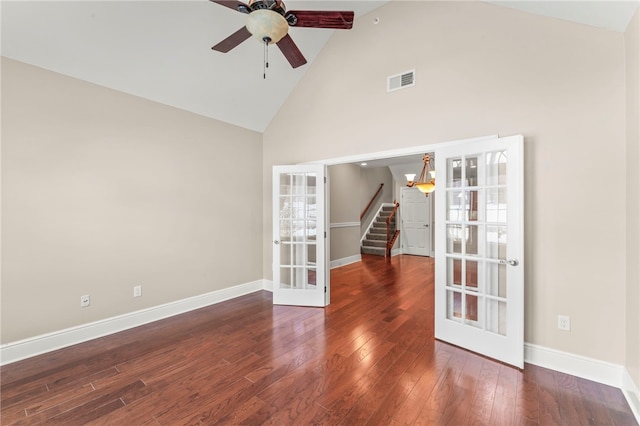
[291,51]
[233,40]
[342,20]
[233,4]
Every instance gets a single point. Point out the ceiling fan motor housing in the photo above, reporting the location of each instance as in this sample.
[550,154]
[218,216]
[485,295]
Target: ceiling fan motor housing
[275,5]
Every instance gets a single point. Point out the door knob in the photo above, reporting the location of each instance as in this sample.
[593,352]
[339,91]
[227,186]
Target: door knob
[512,262]
[276,242]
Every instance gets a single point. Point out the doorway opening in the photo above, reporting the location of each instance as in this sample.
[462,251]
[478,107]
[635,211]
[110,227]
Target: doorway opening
[346,231]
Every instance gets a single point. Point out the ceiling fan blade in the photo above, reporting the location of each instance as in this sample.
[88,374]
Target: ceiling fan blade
[234,4]
[291,51]
[233,40]
[342,20]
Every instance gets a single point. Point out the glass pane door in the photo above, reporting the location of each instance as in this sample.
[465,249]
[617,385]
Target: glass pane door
[479,271]
[299,236]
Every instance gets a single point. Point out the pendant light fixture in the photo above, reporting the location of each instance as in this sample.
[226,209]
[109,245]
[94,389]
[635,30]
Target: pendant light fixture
[427,180]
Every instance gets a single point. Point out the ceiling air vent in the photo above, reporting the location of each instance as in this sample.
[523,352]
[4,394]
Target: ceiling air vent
[401,81]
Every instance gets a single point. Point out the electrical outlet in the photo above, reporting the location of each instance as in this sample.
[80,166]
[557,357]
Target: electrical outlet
[564,322]
[137,291]
[85,301]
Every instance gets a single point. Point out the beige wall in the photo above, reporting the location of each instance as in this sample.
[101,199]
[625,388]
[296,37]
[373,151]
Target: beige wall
[344,208]
[103,191]
[482,69]
[632,45]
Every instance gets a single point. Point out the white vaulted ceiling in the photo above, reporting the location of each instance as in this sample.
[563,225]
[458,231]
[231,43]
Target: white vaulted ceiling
[161,50]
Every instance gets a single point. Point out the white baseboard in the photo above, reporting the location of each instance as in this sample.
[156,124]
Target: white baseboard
[15,351]
[631,393]
[345,261]
[587,368]
[576,365]
[268,285]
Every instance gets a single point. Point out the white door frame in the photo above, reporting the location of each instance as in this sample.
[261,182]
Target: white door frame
[359,158]
[414,150]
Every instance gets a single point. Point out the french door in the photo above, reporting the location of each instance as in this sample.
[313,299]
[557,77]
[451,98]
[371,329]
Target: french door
[479,248]
[300,267]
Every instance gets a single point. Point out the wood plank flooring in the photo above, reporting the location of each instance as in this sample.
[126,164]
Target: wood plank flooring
[369,358]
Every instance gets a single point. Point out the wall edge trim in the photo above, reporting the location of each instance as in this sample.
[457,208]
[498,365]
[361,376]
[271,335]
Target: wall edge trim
[631,393]
[344,225]
[576,365]
[587,368]
[345,261]
[37,345]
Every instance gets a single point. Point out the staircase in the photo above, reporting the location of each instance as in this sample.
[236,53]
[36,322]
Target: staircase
[375,242]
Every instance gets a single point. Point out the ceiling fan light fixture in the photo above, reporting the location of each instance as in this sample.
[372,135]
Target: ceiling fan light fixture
[267,24]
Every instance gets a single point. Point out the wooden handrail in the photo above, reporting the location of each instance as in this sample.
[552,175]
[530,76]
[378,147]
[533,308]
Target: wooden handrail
[391,238]
[364,212]
[393,212]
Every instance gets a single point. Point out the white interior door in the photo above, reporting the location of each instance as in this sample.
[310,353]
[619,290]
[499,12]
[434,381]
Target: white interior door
[300,267]
[415,211]
[479,248]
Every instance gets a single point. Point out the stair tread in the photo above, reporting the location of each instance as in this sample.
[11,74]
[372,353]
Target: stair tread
[379,251]
[374,243]
[371,236]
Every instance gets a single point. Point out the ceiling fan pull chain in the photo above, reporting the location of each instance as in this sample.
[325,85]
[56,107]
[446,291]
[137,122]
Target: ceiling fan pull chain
[266,57]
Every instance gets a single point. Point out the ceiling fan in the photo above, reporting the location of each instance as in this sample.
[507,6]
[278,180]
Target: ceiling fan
[269,22]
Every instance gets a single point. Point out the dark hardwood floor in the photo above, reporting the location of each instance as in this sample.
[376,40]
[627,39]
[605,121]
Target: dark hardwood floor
[368,358]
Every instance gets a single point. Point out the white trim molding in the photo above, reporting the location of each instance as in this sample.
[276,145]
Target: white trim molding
[22,349]
[417,149]
[587,368]
[344,225]
[345,261]
[631,393]
[575,365]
